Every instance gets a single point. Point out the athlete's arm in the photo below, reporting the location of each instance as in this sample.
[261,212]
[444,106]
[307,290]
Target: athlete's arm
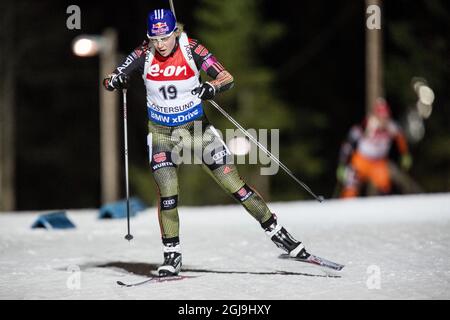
[135,61]
[350,144]
[402,146]
[222,79]
[401,143]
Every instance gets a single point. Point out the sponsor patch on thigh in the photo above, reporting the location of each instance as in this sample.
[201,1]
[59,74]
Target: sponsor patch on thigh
[216,158]
[161,160]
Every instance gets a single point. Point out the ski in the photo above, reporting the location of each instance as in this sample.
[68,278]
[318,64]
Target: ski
[312,259]
[153,279]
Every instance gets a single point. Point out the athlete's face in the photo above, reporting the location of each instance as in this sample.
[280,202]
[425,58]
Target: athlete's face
[164,46]
[376,122]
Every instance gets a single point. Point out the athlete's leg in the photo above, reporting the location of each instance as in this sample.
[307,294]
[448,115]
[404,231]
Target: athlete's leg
[166,178]
[216,160]
[357,174]
[351,183]
[165,174]
[380,177]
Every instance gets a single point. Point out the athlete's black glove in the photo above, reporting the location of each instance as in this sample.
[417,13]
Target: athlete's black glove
[116,81]
[205,92]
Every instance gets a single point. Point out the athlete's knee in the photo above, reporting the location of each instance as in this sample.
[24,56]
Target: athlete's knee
[168,203]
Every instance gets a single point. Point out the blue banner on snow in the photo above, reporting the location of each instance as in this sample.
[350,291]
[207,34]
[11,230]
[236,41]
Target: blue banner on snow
[54,220]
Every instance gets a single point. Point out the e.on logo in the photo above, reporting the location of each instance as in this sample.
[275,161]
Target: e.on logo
[170,71]
[155,72]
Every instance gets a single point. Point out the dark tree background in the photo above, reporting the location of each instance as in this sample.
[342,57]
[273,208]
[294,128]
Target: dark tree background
[298,66]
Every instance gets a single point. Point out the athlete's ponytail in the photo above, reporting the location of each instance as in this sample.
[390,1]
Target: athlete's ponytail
[179,30]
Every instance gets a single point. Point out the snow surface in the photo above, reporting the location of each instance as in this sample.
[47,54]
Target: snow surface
[393,247]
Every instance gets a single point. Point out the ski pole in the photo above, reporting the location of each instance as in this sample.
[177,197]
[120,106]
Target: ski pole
[172,8]
[125,137]
[248,135]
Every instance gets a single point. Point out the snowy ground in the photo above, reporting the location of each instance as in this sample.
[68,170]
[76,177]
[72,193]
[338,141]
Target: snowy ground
[393,248]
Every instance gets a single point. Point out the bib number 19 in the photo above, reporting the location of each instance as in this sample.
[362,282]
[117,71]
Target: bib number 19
[169,92]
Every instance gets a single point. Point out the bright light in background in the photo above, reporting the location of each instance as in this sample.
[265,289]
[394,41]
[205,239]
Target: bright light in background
[415,126]
[85,46]
[415,118]
[425,97]
[239,146]
[424,110]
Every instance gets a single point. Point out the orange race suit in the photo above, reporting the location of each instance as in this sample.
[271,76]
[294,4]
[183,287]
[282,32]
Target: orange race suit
[365,154]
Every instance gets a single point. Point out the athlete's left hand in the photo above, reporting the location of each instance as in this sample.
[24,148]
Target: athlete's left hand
[205,92]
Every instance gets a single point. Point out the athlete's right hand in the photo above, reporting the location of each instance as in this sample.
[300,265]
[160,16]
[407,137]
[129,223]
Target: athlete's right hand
[116,81]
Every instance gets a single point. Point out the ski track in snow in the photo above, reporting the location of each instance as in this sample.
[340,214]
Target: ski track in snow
[406,238]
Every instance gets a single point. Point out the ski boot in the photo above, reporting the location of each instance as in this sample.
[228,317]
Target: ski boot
[283,239]
[172,260]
